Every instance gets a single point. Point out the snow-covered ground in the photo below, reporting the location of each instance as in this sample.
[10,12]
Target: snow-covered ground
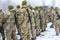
[49,34]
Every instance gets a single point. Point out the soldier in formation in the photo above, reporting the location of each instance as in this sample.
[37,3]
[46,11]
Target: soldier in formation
[57,21]
[10,25]
[2,16]
[23,23]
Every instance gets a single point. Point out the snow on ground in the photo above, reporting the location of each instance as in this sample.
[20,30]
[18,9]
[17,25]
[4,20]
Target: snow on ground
[49,34]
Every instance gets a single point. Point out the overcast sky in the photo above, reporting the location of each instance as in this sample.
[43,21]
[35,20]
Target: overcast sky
[5,3]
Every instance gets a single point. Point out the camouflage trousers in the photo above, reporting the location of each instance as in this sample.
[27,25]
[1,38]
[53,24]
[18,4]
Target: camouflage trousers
[33,32]
[43,24]
[25,31]
[11,33]
[57,27]
[38,29]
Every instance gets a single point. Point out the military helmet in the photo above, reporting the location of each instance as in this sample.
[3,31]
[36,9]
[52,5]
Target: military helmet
[10,7]
[18,6]
[36,7]
[24,2]
[51,7]
[30,7]
[56,9]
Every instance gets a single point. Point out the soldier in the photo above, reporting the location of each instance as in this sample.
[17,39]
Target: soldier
[10,25]
[45,15]
[16,17]
[36,20]
[32,22]
[57,21]
[43,21]
[1,24]
[23,23]
[33,29]
[52,16]
[37,23]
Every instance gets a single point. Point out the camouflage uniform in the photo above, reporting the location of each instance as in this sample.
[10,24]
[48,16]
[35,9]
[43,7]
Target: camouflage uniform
[10,27]
[57,23]
[33,30]
[57,27]
[37,22]
[1,24]
[18,18]
[24,25]
[43,21]
[48,15]
[45,15]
